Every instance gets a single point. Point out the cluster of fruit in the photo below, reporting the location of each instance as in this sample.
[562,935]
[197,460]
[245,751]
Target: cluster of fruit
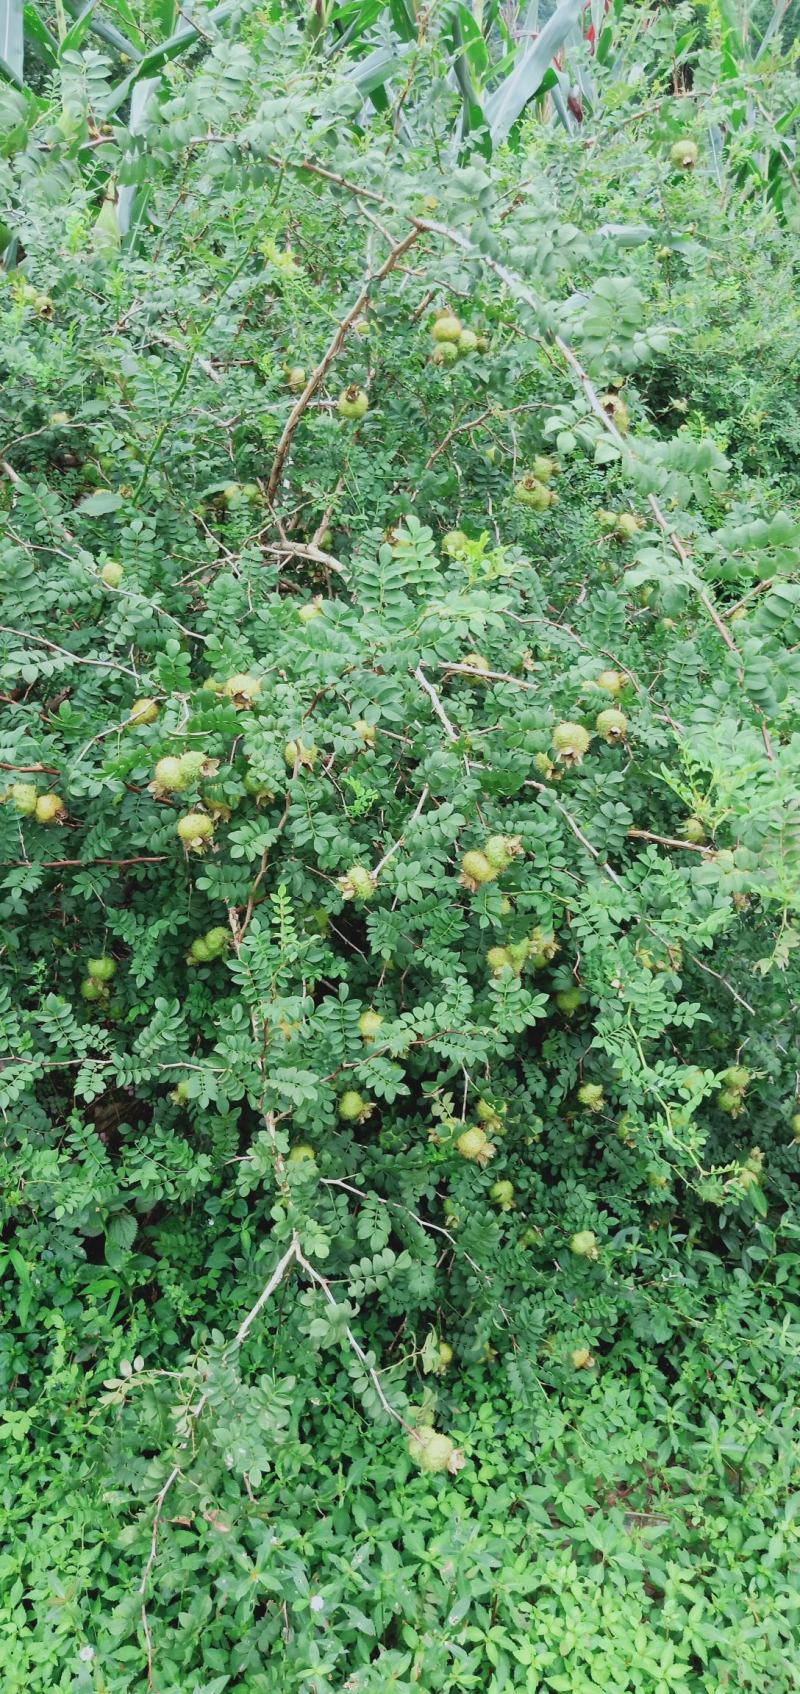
[452,340]
[43,808]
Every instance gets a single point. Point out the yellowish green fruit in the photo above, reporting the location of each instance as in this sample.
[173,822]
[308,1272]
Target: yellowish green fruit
[369,1025]
[112,574]
[581,1358]
[502,1193]
[584,1244]
[353,402]
[445,354]
[474,1144]
[301,1153]
[499,959]
[102,969]
[356,884]
[612,681]
[454,542]
[311,610]
[195,830]
[569,999]
[295,378]
[170,774]
[692,829]
[352,1106]
[447,328]
[143,711]
[242,689]
[50,808]
[612,725]
[684,155]
[534,494]
[476,870]
[92,990]
[23,797]
[366,731]
[590,1095]
[432,1452]
[467,341]
[571,742]
[300,753]
[615,408]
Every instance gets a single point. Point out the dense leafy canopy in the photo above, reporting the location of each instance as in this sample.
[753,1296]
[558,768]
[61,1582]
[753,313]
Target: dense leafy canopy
[400,871]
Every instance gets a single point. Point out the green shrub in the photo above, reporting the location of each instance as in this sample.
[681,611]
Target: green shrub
[428,951]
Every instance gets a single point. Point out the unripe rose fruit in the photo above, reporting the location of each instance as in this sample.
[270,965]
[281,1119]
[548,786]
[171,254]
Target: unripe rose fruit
[369,1024]
[532,493]
[615,407]
[472,1143]
[684,155]
[581,1358]
[571,741]
[300,753]
[357,884]
[352,403]
[590,1095]
[446,328]
[467,341]
[112,574]
[23,797]
[796,1126]
[92,990]
[501,849]
[242,689]
[503,1195]
[736,1077]
[612,725]
[499,959]
[692,830]
[476,870]
[445,1355]
[102,969]
[195,830]
[311,610]
[300,1153]
[351,1106]
[142,712]
[191,766]
[445,354]
[366,731]
[431,1451]
[569,999]
[296,378]
[50,808]
[612,681]
[584,1244]
[454,541]
[170,773]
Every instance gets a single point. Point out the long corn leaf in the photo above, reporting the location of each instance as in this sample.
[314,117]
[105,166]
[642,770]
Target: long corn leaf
[12,40]
[510,99]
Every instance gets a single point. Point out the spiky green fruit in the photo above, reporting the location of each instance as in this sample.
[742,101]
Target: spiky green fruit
[569,999]
[369,1025]
[684,154]
[590,1095]
[571,742]
[112,574]
[300,753]
[454,542]
[50,808]
[195,830]
[612,725]
[584,1244]
[352,403]
[23,797]
[447,328]
[473,1143]
[101,969]
[499,959]
[502,1193]
[433,1452]
[612,681]
[467,341]
[143,711]
[476,870]
[352,1106]
[242,689]
[531,492]
[170,774]
[92,990]
[357,884]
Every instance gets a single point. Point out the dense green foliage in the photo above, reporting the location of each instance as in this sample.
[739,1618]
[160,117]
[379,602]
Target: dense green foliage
[400,877]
